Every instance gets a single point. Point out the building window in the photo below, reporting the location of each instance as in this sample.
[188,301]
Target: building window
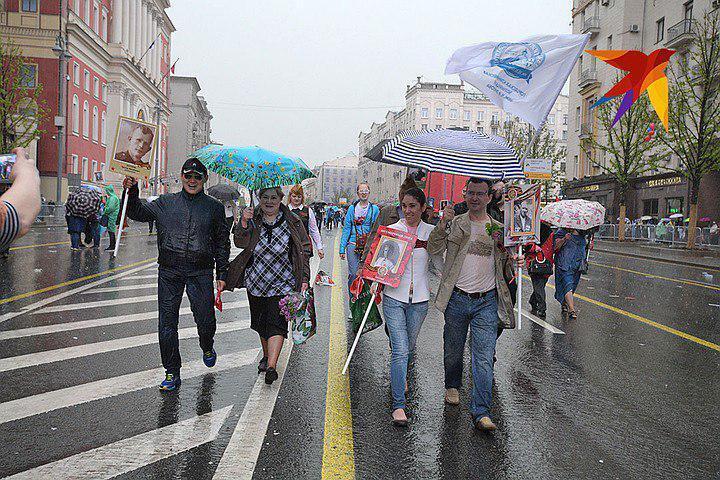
[481,129]
[96,87]
[86,119]
[28,75]
[660,34]
[87,12]
[481,116]
[76,74]
[83,174]
[73,167]
[552,133]
[102,129]
[439,113]
[650,207]
[76,7]
[577,118]
[424,126]
[104,25]
[609,42]
[551,119]
[96,18]
[438,127]
[75,115]
[468,115]
[104,92]
[87,81]
[688,10]
[95,132]
[453,114]
[564,135]
[494,118]
[29,6]
[565,119]
[424,113]
[674,205]
[94,168]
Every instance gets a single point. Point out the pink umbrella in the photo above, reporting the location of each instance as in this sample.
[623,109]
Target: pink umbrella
[574,214]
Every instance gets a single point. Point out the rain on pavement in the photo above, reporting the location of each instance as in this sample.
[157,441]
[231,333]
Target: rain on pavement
[629,390]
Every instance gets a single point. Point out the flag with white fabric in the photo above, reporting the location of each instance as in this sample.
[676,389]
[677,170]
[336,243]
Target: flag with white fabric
[522,78]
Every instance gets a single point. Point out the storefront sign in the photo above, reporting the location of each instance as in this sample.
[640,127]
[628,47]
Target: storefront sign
[663,182]
[538,168]
[589,188]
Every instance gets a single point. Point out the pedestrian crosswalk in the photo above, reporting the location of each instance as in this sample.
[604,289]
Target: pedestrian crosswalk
[110,326]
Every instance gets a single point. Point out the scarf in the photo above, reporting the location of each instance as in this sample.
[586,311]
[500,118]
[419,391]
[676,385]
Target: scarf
[269,228]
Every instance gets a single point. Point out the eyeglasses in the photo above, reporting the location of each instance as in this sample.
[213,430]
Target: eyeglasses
[190,176]
[363,191]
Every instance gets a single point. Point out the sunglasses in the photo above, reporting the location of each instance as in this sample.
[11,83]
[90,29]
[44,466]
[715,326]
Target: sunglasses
[196,176]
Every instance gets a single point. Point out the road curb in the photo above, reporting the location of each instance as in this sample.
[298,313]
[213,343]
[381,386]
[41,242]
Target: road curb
[658,259]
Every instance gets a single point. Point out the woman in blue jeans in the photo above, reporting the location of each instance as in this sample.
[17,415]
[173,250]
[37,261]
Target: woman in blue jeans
[406,306]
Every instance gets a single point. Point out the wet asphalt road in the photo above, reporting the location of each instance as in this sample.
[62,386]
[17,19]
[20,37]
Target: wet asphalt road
[630,390]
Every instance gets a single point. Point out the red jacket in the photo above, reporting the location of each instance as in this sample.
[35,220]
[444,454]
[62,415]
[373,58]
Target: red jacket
[541,251]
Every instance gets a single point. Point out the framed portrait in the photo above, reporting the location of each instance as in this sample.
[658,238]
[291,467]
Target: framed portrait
[388,256]
[134,148]
[522,215]
[98,176]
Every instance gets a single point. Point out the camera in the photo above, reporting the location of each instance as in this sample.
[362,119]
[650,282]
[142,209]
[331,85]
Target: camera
[7,161]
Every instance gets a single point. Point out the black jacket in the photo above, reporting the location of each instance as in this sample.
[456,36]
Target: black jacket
[192,231]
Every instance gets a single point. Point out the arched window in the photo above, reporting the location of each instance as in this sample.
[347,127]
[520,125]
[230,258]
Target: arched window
[102,129]
[95,124]
[86,119]
[75,115]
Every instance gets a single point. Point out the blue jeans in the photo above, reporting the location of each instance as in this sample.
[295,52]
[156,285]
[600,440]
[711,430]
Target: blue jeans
[403,321]
[353,260]
[482,318]
[75,239]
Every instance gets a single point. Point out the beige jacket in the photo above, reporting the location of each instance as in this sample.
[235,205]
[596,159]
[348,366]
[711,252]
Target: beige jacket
[455,240]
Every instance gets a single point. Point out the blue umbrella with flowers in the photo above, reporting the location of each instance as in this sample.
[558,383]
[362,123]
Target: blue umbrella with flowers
[253,167]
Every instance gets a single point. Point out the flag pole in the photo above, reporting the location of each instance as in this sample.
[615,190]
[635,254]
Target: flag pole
[360,330]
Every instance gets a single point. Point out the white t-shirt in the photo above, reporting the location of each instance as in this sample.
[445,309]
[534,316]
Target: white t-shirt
[477,274]
[361,211]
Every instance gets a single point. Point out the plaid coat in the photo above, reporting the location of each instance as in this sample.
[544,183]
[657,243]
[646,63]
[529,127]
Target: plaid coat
[247,238]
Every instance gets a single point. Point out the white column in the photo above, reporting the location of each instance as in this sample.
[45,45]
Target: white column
[117,20]
[153,54]
[126,23]
[138,30]
[146,33]
[132,27]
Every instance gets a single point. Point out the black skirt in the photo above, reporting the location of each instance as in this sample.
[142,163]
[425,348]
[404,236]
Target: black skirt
[265,316]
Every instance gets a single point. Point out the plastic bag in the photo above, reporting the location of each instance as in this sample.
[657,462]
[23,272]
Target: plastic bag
[299,310]
[358,305]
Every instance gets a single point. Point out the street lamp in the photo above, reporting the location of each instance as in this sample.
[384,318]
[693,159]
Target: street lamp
[60,49]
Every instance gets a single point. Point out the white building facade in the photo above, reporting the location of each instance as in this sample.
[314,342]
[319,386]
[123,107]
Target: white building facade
[431,105]
[336,180]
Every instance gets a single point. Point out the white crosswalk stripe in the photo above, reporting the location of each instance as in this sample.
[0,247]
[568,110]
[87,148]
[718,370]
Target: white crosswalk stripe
[99,303]
[138,277]
[132,453]
[124,288]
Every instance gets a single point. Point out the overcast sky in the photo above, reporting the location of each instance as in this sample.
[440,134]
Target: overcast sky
[305,77]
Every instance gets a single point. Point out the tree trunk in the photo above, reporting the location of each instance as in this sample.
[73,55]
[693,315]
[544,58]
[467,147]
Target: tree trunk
[621,227]
[692,227]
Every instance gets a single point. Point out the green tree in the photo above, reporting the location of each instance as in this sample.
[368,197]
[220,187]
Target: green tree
[626,153]
[694,117]
[519,135]
[21,109]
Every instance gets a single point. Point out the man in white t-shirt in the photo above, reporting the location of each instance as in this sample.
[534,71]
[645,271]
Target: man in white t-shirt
[472,294]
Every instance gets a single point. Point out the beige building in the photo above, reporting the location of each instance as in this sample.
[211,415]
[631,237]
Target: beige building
[438,105]
[619,25]
[336,180]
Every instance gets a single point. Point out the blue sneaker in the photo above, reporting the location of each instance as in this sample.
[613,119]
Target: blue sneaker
[209,358]
[171,382]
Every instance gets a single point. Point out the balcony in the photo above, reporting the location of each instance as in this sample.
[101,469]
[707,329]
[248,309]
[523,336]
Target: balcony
[680,34]
[591,25]
[587,77]
[586,130]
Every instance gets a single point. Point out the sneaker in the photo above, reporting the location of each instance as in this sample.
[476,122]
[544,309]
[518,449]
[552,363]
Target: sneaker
[452,396]
[209,358]
[270,375]
[485,424]
[170,383]
[262,366]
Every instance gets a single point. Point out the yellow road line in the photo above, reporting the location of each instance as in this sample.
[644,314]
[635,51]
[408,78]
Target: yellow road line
[23,247]
[338,451]
[660,277]
[644,320]
[72,282]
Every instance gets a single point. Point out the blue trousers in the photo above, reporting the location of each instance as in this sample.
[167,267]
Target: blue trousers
[353,261]
[481,316]
[403,321]
[171,283]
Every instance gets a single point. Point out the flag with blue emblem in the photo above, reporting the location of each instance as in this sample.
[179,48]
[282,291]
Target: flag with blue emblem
[522,78]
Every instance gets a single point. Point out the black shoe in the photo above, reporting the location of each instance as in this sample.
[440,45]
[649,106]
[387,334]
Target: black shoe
[541,315]
[270,375]
[533,311]
[110,248]
[262,366]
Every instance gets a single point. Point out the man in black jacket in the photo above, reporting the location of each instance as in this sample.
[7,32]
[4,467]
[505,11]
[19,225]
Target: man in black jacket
[192,238]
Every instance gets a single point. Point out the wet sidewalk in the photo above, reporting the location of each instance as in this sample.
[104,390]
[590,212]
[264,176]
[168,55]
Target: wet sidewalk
[693,258]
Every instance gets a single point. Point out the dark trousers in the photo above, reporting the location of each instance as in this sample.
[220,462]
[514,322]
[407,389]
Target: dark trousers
[171,284]
[75,239]
[537,299]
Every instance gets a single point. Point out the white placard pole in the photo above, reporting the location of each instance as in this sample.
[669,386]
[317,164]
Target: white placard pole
[122,221]
[359,332]
[518,300]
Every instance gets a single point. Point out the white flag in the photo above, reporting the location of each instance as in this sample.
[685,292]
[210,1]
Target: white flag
[523,78]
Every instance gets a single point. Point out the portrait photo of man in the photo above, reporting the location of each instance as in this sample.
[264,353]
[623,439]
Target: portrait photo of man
[522,216]
[138,143]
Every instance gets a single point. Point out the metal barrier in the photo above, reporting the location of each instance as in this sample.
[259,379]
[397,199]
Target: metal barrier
[51,215]
[660,234]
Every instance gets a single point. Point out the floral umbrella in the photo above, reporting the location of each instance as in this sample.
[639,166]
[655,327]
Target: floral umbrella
[574,214]
[253,167]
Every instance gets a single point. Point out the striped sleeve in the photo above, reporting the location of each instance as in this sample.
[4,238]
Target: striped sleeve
[10,224]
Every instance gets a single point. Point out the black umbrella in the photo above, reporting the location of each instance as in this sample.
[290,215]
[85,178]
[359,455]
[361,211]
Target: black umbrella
[83,203]
[223,192]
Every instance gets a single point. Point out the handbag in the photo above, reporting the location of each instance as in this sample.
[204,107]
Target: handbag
[540,267]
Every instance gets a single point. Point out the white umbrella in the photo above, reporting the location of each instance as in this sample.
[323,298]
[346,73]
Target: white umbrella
[676,215]
[645,218]
[574,214]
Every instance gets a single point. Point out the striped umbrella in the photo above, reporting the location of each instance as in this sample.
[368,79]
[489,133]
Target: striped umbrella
[83,203]
[457,152]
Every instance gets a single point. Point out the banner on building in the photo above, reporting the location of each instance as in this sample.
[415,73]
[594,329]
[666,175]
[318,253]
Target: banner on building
[388,256]
[522,215]
[538,168]
[134,148]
